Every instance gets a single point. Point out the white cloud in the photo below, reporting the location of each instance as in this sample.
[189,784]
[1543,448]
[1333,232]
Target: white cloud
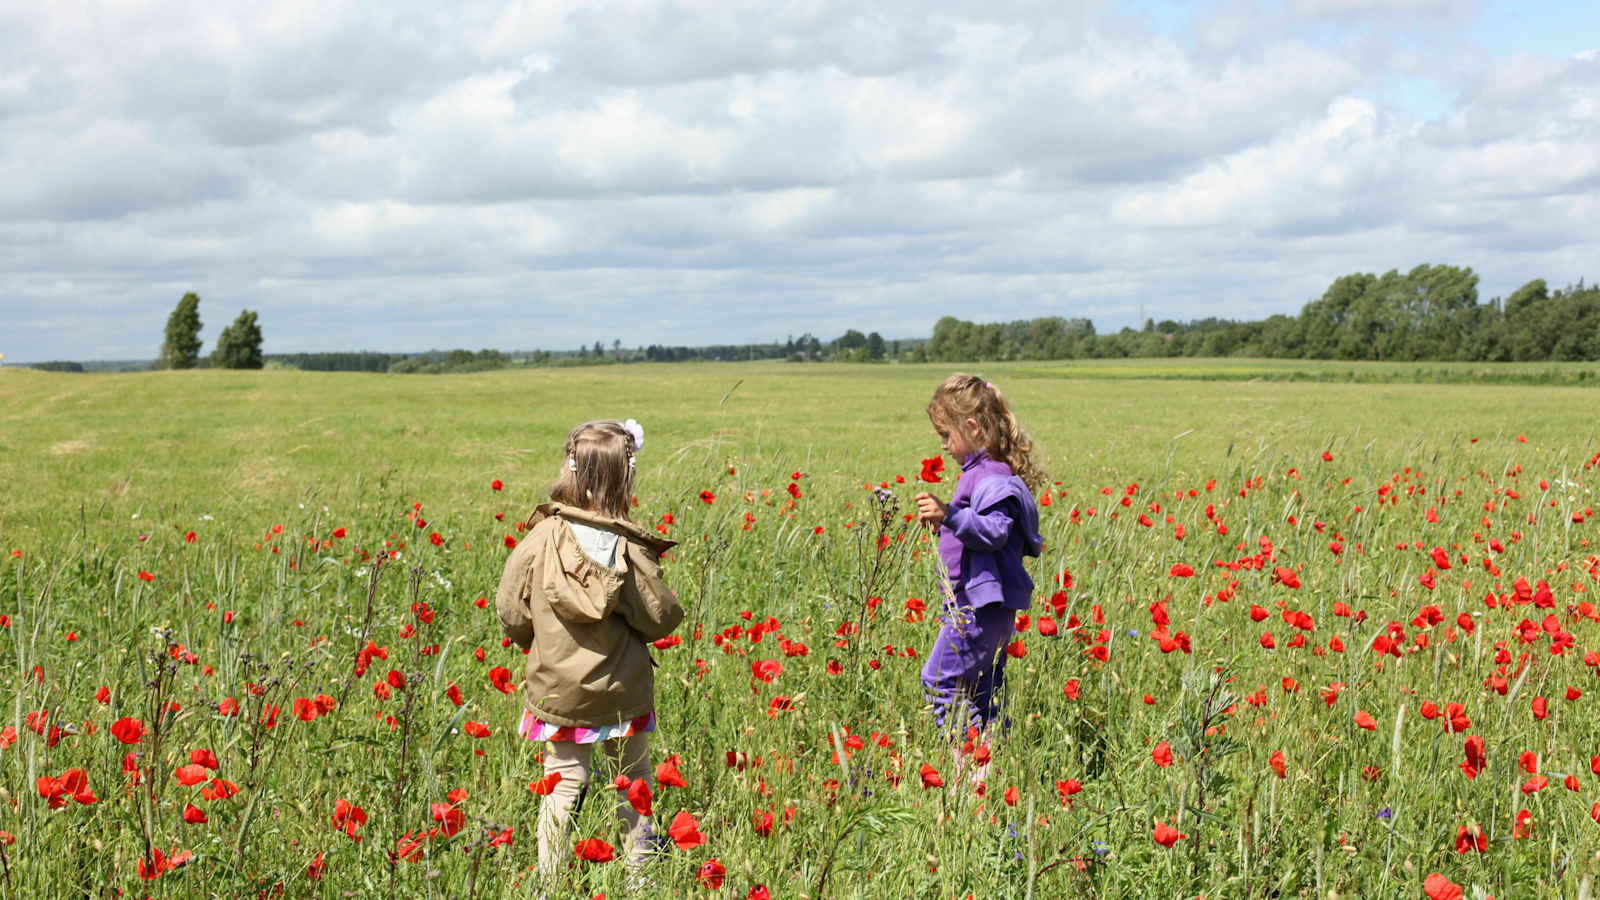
[747,170]
[1344,8]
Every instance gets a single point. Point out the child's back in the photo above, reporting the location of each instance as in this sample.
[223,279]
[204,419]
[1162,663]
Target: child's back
[585,624]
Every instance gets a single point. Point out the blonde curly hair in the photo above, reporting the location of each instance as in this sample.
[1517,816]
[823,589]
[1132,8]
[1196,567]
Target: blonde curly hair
[961,397]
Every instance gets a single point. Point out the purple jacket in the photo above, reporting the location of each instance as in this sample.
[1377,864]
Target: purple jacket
[989,525]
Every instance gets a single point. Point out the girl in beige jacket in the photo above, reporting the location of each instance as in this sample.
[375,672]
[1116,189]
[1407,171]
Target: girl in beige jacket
[583,594]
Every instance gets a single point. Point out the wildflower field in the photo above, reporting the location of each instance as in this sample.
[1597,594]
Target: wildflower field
[1289,639]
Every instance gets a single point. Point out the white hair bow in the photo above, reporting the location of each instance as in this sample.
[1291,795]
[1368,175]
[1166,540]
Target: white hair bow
[634,428]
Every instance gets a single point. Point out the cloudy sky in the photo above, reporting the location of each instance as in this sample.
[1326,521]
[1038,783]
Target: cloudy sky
[544,174]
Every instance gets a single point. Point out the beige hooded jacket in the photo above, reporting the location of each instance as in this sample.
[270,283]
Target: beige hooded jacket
[586,627]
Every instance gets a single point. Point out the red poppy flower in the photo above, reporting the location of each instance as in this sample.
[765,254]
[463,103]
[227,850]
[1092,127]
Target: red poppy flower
[707,497]
[476,729]
[685,831]
[1286,577]
[1181,570]
[545,785]
[1166,835]
[128,730]
[1276,762]
[594,850]
[160,863]
[194,815]
[73,783]
[496,485]
[711,874]
[449,816]
[1364,720]
[1438,887]
[931,777]
[190,775]
[1471,841]
[639,796]
[931,467]
[348,818]
[667,775]
[500,677]
[203,757]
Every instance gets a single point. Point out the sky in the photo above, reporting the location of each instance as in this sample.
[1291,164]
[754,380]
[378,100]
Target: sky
[402,176]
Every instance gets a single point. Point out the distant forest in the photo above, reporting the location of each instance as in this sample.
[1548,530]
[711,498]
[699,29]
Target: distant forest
[1429,313]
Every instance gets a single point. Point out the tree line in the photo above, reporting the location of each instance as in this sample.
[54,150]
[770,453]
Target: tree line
[1430,313]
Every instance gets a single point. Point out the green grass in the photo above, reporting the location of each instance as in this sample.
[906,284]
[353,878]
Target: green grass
[106,475]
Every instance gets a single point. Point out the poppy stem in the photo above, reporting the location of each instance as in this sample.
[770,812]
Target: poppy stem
[366,624]
[1033,863]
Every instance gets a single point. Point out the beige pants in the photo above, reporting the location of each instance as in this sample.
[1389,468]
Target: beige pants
[629,756]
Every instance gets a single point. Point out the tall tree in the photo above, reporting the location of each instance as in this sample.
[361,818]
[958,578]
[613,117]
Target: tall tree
[239,345]
[181,349]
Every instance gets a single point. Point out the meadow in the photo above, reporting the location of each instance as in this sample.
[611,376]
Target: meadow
[1292,637]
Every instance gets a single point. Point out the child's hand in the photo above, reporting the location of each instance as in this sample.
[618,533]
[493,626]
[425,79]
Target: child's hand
[930,509]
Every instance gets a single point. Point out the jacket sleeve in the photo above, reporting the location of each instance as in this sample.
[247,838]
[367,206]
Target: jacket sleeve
[647,604]
[982,529]
[511,601]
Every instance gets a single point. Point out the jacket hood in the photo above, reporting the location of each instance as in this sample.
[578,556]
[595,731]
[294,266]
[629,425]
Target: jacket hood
[623,527]
[577,588]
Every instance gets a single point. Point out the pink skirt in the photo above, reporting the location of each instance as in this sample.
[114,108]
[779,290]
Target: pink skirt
[535,729]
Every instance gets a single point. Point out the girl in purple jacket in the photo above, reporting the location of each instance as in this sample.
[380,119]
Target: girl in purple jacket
[984,532]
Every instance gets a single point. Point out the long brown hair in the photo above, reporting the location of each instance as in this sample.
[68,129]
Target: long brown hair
[962,397]
[597,471]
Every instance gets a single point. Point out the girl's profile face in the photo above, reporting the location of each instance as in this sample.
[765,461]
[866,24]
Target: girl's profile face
[959,442]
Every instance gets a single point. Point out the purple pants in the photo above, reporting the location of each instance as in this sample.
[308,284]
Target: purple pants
[968,663]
